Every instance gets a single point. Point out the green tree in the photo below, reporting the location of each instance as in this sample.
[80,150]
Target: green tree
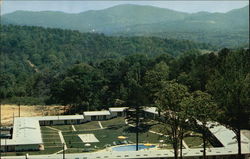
[229,86]
[136,97]
[154,78]
[202,111]
[169,100]
[79,87]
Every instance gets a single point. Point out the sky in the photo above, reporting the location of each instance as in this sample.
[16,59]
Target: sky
[8,6]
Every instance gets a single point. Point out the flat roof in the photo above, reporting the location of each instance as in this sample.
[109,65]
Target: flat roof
[226,136]
[26,131]
[59,117]
[151,110]
[96,113]
[117,109]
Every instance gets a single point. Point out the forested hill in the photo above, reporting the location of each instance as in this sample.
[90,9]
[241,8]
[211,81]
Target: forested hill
[28,51]
[47,48]
[229,29]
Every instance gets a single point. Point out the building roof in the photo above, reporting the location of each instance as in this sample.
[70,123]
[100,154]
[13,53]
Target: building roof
[96,113]
[117,109]
[26,131]
[226,136]
[151,110]
[60,117]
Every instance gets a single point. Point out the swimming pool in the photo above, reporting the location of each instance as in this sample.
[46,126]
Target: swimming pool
[131,147]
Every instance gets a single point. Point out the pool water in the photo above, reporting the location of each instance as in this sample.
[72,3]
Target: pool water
[131,147]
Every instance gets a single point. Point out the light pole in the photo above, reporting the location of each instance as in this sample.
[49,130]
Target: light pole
[63,151]
[0,125]
[19,107]
[5,150]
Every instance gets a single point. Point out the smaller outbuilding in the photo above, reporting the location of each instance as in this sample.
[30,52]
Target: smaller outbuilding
[96,115]
[151,112]
[118,111]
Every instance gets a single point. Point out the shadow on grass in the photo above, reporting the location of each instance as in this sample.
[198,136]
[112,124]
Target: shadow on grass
[115,127]
[143,128]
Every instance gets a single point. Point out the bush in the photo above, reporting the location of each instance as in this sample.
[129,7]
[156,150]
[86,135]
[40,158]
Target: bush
[20,153]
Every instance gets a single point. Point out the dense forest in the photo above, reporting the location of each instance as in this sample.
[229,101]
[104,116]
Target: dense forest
[31,52]
[92,71]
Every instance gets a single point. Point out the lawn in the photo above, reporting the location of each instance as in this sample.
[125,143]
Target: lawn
[87,126]
[113,122]
[195,140]
[159,127]
[191,141]
[107,136]
[51,139]
[63,127]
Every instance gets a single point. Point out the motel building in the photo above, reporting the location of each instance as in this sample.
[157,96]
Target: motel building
[104,114]
[96,115]
[60,120]
[118,111]
[26,136]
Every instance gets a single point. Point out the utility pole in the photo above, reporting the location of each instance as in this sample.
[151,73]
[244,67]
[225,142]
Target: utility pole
[137,128]
[63,151]
[5,147]
[19,108]
[13,118]
[0,124]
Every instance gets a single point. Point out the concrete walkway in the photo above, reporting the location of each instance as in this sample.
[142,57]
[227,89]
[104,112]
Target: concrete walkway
[100,124]
[62,141]
[73,127]
[61,138]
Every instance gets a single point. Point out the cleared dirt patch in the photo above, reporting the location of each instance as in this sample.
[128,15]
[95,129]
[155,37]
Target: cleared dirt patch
[10,111]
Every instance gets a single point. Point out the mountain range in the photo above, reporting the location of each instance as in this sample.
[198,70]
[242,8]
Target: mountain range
[135,20]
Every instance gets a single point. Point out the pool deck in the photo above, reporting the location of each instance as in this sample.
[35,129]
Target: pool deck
[110,149]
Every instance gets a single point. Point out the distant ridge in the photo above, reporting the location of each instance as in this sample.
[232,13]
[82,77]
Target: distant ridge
[131,20]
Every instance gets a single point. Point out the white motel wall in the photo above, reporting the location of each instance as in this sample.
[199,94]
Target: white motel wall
[96,115]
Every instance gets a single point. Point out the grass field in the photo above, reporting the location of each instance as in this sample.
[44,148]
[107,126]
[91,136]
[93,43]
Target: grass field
[51,138]
[113,122]
[87,126]
[195,142]
[63,127]
[107,136]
